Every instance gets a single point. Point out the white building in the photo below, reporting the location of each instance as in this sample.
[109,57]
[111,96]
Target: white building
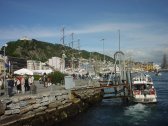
[25,38]
[34,65]
[57,63]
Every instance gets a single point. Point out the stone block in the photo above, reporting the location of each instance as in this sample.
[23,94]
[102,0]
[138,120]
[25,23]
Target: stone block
[40,109]
[24,97]
[8,112]
[7,101]
[52,99]
[35,106]
[65,101]
[15,100]
[26,109]
[2,108]
[54,104]
[38,101]
[76,100]
[45,103]
[60,98]
[31,101]
[60,107]
[50,110]
[45,99]
[67,105]
[16,111]
[23,103]
[13,106]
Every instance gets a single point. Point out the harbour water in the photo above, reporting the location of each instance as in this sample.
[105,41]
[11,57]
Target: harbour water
[115,113]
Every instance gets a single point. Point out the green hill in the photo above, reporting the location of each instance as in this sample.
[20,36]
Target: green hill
[38,50]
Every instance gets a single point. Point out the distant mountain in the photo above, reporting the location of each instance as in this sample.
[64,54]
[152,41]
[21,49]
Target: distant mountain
[42,51]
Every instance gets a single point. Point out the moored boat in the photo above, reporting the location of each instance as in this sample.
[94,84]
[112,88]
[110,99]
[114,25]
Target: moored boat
[143,90]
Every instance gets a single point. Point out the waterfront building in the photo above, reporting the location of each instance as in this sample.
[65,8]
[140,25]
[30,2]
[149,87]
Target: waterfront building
[57,63]
[34,65]
[1,64]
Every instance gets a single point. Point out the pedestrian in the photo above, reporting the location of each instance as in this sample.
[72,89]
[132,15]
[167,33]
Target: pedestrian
[44,79]
[1,84]
[27,87]
[10,82]
[22,82]
[18,85]
[30,80]
[31,84]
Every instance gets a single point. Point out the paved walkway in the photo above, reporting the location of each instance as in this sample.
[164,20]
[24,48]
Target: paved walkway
[41,88]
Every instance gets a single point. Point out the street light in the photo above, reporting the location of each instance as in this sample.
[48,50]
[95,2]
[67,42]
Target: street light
[5,84]
[103,51]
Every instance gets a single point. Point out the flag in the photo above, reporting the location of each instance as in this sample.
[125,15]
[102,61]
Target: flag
[8,64]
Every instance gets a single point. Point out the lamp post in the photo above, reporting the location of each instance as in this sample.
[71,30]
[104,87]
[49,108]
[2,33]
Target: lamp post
[103,51]
[5,84]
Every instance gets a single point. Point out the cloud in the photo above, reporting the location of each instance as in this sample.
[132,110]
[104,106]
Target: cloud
[145,42]
[17,32]
[106,27]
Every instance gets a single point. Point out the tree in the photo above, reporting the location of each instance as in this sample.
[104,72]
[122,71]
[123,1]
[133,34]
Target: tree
[56,77]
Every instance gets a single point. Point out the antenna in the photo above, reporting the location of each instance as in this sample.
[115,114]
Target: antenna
[79,44]
[63,36]
[119,39]
[72,35]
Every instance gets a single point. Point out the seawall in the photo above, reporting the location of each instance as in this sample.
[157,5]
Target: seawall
[46,108]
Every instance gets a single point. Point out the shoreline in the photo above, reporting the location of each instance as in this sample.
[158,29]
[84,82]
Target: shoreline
[47,108]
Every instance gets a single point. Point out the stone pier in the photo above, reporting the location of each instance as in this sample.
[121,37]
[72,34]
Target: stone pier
[46,108]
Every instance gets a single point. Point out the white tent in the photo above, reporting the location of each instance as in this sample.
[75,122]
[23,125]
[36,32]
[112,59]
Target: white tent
[23,71]
[41,72]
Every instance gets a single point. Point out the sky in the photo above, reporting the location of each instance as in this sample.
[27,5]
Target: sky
[143,25]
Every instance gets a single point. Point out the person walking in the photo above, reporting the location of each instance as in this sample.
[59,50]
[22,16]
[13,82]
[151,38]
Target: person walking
[1,85]
[27,87]
[44,79]
[18,85]
[10,82]
[31,84]
[22,82]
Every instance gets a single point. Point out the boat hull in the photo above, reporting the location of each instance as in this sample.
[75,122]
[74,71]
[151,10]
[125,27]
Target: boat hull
[144,99]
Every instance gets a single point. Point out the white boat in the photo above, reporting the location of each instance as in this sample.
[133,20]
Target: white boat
[143,90]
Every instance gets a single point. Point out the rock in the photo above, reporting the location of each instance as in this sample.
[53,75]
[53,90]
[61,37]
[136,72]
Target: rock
[16,111]
[44,103]
[40,109]
[8,112]
[31,101]
[7,101]
[45,99]
[23,103]
[60,98]
[60,107]
[38,100]
[76,100]
[15,100]
[52,99]
[2,108]
[35,106]
[13,106]
[50,110]
[54,104]
[25,97]
[26,109]
[67,105]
